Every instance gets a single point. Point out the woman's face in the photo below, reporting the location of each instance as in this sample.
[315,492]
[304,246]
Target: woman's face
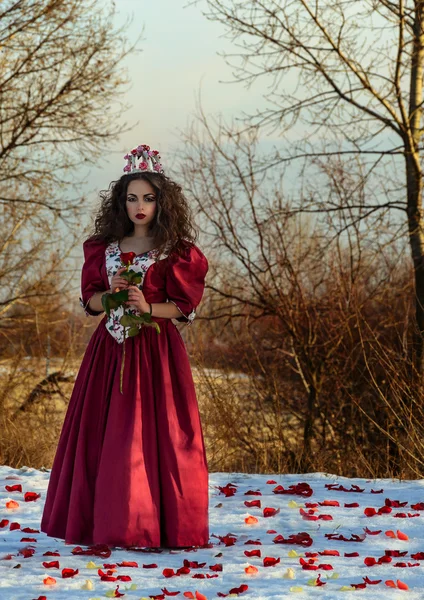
[141,200]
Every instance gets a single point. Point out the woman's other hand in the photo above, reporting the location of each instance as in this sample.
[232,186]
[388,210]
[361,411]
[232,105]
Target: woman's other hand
[117,283]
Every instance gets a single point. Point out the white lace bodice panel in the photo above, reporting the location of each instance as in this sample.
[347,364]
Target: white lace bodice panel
[141,264]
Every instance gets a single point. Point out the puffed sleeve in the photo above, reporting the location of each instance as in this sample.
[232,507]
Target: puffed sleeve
[185,281]
[91,276]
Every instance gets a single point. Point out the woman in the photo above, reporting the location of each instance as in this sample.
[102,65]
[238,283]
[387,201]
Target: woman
[130,467]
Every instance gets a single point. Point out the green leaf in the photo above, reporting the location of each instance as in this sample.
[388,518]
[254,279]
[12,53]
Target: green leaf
[105,304]
[131,276]
[153,324]
[138,318]
[112,301]
[128,320]
[119,297]
[133,331]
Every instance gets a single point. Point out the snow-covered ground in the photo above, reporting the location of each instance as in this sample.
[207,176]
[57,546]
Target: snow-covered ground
[319,541]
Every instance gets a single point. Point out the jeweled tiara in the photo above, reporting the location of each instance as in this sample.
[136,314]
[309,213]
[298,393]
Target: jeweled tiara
[149,160]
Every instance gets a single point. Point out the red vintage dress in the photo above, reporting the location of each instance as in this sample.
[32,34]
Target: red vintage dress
[130,469]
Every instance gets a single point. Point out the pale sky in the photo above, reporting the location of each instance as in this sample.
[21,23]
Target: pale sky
[179,54]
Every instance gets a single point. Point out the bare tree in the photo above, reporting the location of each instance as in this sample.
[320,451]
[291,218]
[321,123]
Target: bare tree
[299,287]
[60,74]
[349,76]
[61,79]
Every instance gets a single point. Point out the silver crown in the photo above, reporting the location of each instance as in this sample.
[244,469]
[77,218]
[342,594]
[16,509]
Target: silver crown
[148,160]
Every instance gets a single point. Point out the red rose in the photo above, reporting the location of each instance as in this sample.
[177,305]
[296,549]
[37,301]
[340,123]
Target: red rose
[127,257]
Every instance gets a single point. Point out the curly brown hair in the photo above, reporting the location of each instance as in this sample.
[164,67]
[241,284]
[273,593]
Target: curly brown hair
[172,226]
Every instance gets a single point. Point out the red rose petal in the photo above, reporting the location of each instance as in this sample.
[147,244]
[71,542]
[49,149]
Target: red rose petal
[370,582]
[370,532]
[31,496]
[401,585]
[270,512]
[370,512]
[69,573]
[14,488]
[270,561]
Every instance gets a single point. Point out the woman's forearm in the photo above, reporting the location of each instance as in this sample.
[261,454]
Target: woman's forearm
[95,302]
[167,310]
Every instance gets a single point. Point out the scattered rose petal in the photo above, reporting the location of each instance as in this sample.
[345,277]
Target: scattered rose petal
[270,512]
[251,520]
[31,496]
[13,488]
[341,488]
[289,574]
[370,582]
[302,538]
[370,532]
[395,503]
[251,570]
[252,503]
[300,489]
[269,561]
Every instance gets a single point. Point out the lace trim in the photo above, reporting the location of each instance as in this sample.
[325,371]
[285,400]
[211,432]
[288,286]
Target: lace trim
[190,317]
[84,306]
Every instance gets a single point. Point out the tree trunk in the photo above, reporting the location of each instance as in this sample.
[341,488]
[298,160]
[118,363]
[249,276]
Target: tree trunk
[416,238]
[414,180]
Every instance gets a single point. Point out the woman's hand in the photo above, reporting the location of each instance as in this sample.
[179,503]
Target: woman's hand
[118,282]
[137,299]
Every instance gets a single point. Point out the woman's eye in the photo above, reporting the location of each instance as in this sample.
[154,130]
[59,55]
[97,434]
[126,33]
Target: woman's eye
[150,198]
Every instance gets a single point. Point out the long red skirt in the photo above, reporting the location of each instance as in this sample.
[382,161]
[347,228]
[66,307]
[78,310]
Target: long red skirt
[130,469]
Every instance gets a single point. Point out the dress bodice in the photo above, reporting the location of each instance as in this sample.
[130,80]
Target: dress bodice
[141,264]
[166,277]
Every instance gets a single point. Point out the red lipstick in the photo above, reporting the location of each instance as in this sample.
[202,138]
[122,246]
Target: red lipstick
[140,216]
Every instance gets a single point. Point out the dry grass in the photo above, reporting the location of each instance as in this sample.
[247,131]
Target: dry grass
[33,408]
[247,427]
[31,422]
